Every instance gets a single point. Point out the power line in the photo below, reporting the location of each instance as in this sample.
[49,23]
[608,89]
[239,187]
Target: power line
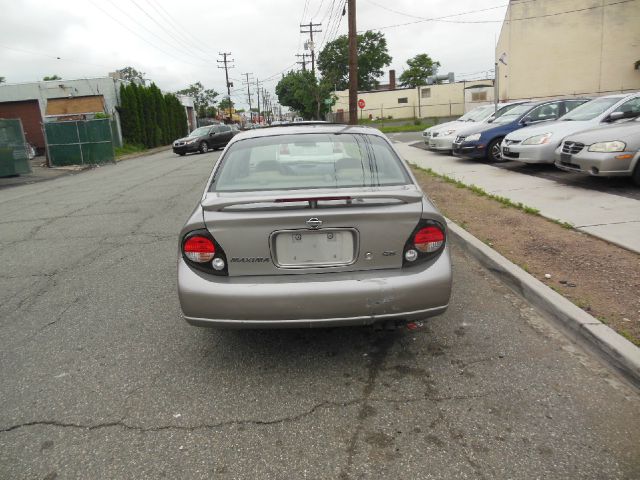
[140,36]
[185,32]
[318,11]
[177,34]
[158,36]
[445,17]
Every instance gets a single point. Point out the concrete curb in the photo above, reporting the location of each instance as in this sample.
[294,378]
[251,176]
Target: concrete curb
[151,151]
[616,350]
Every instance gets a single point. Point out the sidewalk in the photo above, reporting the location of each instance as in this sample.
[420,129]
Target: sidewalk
[610,217]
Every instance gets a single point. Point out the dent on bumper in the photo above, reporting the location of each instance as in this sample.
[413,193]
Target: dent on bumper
[315,300]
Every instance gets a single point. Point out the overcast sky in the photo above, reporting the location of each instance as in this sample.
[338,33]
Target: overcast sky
[177,42]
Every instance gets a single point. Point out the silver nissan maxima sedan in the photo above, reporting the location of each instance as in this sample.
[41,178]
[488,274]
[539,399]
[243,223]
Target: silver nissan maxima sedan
[312,226]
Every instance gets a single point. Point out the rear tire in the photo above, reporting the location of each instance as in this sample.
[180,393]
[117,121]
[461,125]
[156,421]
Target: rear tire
[203,147]
[493,150]
[182,154]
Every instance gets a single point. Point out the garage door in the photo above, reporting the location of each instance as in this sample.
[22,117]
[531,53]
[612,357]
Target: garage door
[29,112]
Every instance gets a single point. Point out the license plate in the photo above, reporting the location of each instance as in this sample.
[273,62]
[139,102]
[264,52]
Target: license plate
[565,158]
[315,248]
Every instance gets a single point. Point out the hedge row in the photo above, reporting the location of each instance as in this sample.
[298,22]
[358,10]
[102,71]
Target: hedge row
[150,118]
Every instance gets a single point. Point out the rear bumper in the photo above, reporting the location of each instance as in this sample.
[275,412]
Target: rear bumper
[315,300]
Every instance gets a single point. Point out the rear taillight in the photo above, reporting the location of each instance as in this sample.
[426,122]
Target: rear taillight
[202,252]
[426,241]
[199,249]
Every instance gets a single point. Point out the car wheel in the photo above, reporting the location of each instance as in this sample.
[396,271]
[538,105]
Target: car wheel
[182,154]
[636,174]
[203,147]
[493,150]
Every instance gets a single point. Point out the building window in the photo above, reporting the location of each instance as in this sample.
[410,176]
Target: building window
[425,93]
[403,100]
[478,96]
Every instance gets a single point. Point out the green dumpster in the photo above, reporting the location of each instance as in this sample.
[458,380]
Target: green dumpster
[14,159]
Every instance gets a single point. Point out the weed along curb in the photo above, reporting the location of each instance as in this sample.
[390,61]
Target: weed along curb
[582,327]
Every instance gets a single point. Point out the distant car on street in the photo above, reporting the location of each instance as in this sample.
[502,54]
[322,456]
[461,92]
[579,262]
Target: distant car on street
[537,144]
[483,141]
[203,139]
[441,137]
[610,151]
[337,233]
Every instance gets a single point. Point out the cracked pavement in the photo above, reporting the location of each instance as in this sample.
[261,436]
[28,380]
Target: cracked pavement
[101,378]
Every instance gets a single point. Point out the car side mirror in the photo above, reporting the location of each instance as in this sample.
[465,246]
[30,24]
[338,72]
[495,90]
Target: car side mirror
[615,116]
[212,134]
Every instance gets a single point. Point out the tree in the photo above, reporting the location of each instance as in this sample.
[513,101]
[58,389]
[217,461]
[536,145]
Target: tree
[225,105]
[302,92]
[202,98]
[420,67]
[130,74]
[373,56]
[52,77]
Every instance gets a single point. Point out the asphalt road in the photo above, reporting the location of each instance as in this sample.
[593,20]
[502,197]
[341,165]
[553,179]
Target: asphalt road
[101,378]
[622,186]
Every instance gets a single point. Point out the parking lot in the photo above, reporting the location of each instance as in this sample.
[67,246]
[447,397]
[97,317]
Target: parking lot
[102,378]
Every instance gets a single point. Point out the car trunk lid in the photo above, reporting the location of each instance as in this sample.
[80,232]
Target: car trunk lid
[289,232]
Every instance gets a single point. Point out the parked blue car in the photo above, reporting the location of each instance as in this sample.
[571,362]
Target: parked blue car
[483,141]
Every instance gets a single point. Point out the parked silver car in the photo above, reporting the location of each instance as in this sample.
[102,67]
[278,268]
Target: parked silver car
[537,144]
[340,235]
[612,151]
[441,137]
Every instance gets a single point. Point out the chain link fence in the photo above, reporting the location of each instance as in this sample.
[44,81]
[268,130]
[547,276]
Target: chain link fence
[79,142]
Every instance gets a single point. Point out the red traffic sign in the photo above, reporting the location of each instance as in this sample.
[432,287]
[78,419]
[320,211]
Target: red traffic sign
[361,103]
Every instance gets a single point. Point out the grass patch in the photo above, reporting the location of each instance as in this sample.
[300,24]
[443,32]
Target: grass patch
[630,337]
[129,148]
[567,225]
[482,193]
[403,128]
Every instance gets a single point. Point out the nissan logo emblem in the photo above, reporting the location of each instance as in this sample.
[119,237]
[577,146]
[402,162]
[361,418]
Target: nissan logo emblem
[314,223]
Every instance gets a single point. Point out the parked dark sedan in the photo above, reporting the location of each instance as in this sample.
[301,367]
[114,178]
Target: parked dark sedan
[203,139]
[483,141]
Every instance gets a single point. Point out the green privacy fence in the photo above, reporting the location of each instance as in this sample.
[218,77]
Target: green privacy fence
[13,148]
[79,142]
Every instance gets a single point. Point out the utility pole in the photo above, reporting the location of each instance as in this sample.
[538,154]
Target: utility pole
[247,83]
[303,62]
[226,67]
[258,92]
[353,64]
[311,31]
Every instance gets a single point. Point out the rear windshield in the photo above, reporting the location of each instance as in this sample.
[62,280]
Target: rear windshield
[289,162]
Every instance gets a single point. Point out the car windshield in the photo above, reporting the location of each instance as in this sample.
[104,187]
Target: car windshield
[301,161]
[590,110]
[512,114]
[198,132]
[477,114]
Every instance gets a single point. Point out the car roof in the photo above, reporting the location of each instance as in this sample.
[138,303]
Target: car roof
[307,127]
